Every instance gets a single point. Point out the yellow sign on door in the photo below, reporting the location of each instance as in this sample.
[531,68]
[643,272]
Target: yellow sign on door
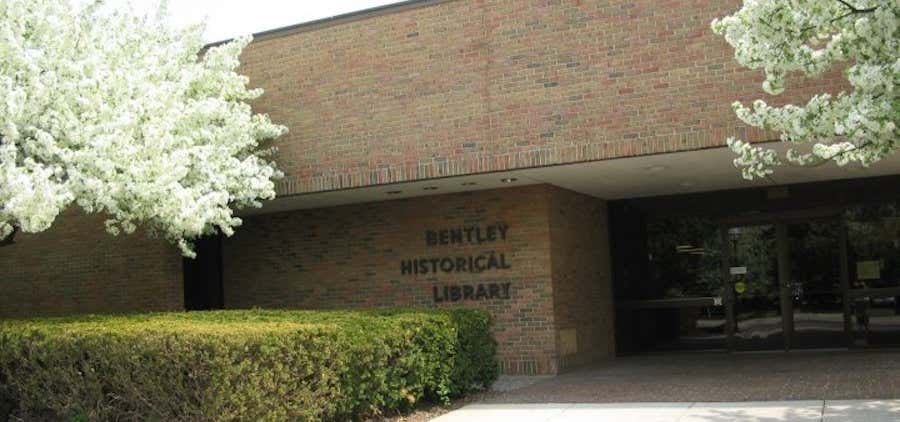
[868,270]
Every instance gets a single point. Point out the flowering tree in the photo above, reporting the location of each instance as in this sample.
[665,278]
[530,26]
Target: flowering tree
[811,36]
[119,115]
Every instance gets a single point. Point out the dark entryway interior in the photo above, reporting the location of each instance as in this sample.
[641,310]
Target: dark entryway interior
[203,276]
[802,266]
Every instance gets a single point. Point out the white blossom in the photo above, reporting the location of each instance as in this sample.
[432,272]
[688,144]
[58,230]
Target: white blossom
[122,115]
[810,37]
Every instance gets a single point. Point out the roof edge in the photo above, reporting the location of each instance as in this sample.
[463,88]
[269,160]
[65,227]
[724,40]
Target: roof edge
[312,25]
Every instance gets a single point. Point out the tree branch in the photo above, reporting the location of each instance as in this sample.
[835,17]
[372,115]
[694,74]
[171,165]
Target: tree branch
[824,160]
[11,238]
[854,9]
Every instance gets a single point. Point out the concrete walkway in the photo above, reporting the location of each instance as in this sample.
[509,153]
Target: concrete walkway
[718,377]
[832,386]
[785,411]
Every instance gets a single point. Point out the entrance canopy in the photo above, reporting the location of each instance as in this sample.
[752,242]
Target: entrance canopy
[652,175]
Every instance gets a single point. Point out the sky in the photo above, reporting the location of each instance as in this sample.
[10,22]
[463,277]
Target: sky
[227,19]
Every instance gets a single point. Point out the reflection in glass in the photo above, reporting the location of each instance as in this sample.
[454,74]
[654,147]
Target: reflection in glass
[816,295]
[754,271]
[873,233]
[788,277]
[685,284]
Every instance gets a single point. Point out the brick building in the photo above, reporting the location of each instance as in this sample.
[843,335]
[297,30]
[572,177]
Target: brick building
[560,163]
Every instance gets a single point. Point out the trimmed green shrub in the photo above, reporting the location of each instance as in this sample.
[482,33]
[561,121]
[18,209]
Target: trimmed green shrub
[243,365]
[474,368]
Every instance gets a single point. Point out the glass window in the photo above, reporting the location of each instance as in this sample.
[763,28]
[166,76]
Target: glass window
[681,303]
[685,258]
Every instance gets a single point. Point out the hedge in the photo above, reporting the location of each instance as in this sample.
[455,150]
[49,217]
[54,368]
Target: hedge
[243,365]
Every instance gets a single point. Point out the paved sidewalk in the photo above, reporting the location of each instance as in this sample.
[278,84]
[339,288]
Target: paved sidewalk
[718,377]
[785,411]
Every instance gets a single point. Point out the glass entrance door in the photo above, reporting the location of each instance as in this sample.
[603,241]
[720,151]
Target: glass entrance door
[756,296]
[816,287]
[786,285]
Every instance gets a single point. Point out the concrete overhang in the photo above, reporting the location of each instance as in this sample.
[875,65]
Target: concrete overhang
[652,175]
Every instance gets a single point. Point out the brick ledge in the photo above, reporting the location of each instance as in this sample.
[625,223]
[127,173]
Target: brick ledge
[542,156]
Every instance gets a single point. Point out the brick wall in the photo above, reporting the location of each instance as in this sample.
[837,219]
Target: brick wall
[466,86]
[76,267]
[582,281]
[554,244]
[352,256]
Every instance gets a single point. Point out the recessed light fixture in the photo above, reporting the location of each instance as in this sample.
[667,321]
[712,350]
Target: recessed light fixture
[508,179]
[469,183]
[430,188]
[656,169]
[393,192]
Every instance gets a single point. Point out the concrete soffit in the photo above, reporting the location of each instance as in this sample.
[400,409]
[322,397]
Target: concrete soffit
[652,175]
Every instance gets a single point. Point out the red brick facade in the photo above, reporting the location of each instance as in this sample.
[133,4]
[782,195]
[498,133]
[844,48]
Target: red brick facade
[466,86]
[433,89]
[76,267]
[582,284]
[353,256]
